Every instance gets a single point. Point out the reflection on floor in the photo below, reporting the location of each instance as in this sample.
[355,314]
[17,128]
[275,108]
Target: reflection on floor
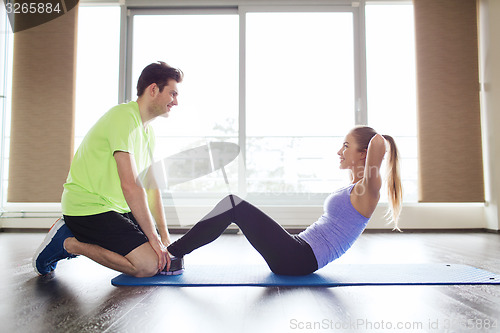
[78,297]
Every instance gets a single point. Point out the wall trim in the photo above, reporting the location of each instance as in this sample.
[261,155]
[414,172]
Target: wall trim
[415,216]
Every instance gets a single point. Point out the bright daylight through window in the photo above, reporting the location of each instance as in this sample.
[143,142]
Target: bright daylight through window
[288,108]
[300,100]
[205,48]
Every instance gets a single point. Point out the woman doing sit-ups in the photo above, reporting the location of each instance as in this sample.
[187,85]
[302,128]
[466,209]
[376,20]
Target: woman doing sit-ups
[346,212]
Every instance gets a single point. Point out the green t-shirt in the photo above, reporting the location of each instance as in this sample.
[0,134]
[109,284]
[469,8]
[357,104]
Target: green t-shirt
[93,185]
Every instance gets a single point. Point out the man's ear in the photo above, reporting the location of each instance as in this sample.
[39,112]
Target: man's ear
[153,89]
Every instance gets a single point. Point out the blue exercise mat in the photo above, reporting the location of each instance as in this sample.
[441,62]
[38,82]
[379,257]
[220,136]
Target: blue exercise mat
[330,276]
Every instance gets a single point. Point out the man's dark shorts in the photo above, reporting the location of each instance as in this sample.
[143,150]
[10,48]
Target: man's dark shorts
[116,232]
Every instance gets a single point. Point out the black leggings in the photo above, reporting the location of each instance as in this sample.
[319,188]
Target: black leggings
[284,253]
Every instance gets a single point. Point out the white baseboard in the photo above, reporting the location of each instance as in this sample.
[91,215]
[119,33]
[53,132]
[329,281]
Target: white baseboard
[414,216]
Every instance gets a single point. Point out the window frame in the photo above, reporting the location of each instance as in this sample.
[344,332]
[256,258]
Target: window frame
[5,102]
[359,51]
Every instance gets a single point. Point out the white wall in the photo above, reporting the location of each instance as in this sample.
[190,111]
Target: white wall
[489,53]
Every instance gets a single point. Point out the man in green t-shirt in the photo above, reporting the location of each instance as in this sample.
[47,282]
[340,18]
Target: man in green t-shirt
[107,215]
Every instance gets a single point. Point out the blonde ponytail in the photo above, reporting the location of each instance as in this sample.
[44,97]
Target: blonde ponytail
[394,187]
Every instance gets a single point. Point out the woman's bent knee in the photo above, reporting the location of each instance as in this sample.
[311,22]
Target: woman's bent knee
[234,199]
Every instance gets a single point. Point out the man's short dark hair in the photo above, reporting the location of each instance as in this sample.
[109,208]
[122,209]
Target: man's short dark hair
[159,73]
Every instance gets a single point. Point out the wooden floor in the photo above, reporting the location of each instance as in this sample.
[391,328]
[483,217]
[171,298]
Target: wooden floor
[78,297]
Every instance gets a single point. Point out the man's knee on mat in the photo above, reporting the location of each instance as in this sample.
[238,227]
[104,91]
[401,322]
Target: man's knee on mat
[144,261]
[144,271]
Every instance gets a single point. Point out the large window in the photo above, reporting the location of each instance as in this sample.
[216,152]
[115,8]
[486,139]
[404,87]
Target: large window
[6,47]
[286,84]
[299,100]
[281,85]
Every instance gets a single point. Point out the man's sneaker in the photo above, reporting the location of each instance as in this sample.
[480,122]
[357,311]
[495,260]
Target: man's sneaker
[176,267]
[52,250]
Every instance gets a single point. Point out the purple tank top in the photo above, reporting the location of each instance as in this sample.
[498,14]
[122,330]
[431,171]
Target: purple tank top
[337,229]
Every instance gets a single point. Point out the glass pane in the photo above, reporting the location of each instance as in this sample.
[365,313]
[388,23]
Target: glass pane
[6,53]
[205,48]
[97,66]
[300,99]
[390,48]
